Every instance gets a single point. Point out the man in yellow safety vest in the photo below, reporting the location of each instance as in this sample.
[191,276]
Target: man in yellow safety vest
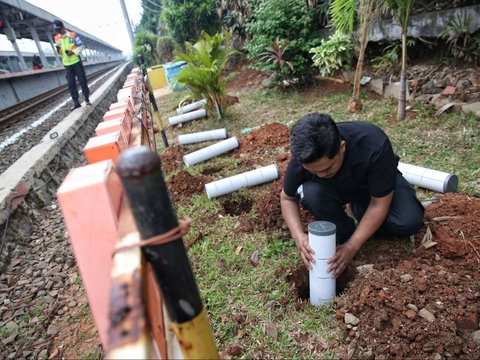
[69,46]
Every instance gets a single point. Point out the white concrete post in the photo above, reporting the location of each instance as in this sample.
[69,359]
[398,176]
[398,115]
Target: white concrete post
[54,48]
[10,32]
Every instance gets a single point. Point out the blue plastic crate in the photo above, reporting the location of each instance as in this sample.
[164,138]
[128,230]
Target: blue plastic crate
[171,72]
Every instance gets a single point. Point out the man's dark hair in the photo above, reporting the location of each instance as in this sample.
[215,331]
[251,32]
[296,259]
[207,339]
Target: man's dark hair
[57,25]
[313,137]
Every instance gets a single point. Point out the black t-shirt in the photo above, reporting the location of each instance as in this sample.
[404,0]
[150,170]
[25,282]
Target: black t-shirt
[369,166]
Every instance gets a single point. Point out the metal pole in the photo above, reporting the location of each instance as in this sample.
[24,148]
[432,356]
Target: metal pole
[127,23]
[140,172]
[13,39]
[155,113]
[55,54]
[35,37]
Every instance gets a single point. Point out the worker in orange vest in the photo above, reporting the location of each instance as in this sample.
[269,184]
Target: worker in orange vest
[69,46]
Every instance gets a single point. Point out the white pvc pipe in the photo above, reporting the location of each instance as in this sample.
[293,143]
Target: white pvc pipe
[429,179]
[236,182]
[211,151]
[322,239]
[202,136]
[197,114]
[193,106]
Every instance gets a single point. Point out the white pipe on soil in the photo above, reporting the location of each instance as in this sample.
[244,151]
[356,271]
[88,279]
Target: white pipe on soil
[197,114]
[322,239]
[246,179]
[202,136]
[195,105]
[429,179]
[211,151]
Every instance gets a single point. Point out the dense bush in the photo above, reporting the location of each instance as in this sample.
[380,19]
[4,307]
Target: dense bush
[185,20]
[145,46]
[165,49]
[289,20]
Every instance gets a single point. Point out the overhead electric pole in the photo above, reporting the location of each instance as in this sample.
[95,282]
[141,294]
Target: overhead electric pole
[127,22]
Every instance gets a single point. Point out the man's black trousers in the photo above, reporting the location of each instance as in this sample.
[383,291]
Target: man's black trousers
[77,71]
[327,203]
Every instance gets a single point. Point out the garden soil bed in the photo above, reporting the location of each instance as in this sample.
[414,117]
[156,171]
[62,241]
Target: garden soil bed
[402,300]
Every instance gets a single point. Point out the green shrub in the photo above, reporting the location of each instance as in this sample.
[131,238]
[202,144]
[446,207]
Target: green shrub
[165,49]
[333,54]
[185,20]
[289,20]
[145,44]
[206,60]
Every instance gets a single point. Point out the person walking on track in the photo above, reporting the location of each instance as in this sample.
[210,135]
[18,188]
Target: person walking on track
[69,46]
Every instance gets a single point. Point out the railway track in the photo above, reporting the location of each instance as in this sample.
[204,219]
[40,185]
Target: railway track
[17,112]
[29,121]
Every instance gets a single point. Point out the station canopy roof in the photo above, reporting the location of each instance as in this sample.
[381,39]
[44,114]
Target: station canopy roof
[22,15]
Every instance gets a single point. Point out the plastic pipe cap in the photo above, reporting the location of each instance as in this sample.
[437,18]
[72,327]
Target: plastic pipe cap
[322,228]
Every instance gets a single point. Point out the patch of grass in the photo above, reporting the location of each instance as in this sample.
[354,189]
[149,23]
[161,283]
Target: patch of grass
[92,354]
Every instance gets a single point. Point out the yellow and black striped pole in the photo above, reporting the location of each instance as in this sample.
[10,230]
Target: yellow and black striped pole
[140,171]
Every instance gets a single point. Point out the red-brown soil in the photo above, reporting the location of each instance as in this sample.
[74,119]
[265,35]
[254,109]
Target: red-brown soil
[388,296]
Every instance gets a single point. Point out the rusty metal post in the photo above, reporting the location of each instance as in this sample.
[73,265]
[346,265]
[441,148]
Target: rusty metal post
[142,178]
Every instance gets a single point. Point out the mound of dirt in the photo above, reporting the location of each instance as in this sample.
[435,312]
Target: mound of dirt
[427,306]
[183,185]
[269,136]
[172,158]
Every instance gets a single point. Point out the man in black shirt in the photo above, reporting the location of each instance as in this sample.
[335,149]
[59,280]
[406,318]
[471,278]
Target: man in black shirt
[346,164]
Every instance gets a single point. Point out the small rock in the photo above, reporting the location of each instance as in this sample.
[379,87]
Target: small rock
[52,330]
[72,304]
[437,257]
[351,319]
[43,354]
[412,307]
[469,322]
[437,356]
[427,315]
[365,269]
[410,314]
[476,337]
[351,351]
[406,277]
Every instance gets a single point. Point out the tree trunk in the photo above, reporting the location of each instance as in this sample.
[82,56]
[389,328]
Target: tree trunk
[403,79]
[365,15]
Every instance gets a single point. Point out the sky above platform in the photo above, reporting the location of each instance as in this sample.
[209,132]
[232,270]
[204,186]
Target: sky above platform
[102,18]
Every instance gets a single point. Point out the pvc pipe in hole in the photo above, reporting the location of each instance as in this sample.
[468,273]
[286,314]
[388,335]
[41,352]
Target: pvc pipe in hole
[246,179]
[322,239]
[197,114]
[429,179]
[202,136]
[211,151]
[193,106]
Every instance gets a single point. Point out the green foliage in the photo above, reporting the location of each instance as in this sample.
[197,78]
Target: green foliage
[334,53]
[461,44]
[343,14]
[206,60]
[187,19]
[165,48]
[275,55]
[285,19]
[150,16]
[145,44]
[390,58]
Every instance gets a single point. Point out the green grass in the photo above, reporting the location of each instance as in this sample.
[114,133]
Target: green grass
[244,302]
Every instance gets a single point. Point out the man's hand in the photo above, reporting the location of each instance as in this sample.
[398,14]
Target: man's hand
[341,259]
[306,252]
[70,52]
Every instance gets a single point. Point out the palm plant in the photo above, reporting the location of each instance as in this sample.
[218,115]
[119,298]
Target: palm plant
[402,10]
[206,60]
[343,15]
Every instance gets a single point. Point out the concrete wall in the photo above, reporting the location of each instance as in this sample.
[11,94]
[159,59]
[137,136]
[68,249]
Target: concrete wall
[425,25]
[16,87]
